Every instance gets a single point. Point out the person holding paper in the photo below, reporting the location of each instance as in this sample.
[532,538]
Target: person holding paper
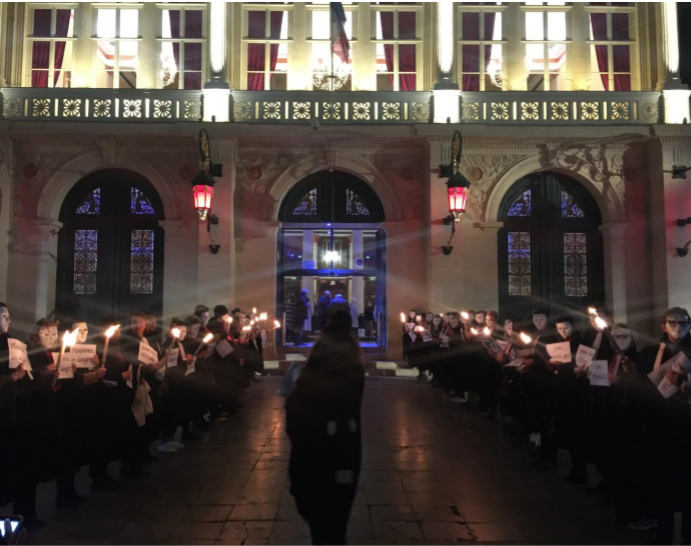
[132,339]
[666,438]
[17,476]
[56,430]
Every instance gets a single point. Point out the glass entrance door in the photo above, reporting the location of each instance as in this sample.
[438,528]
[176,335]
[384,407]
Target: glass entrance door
[332,264]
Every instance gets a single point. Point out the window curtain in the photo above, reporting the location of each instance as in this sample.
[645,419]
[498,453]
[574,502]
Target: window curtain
[255,52]
[62,26]
[598,22]
[40,53]
[471,53]
[276,24]
[386,18]
[406,52]
[174,16]
[621,54]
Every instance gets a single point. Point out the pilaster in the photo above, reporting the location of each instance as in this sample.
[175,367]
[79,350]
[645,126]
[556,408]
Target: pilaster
[614,238]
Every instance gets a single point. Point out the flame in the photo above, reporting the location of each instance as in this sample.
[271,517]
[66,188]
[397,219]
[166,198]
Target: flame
[418,318]
[246,328]
[419,329]
[592,311]
[403,318]
[465,315]
[525,338]
[207,338]
[474,331]
[251,323]
[600,323]
[254,310]
[487,331]
[277,324]
[229,320]
[263,316]
[69,338]
[111,331]
[176,332]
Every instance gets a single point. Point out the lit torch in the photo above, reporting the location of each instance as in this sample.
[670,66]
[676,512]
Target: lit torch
[68,340]
[110,332]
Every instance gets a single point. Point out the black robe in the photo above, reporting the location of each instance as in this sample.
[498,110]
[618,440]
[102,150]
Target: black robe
[323,424]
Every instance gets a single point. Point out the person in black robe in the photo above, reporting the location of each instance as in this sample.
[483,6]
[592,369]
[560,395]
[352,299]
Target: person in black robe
[154,333]
[202,313]
[667,442]
[18,475]
[323,424]
[57,433]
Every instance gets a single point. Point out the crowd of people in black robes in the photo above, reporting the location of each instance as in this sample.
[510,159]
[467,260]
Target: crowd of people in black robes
[118,408]
[630,417]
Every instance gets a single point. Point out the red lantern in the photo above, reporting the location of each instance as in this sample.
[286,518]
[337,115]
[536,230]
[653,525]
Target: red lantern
[459,187]
[203,189]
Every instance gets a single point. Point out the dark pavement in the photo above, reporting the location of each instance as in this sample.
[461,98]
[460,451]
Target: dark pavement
[434,472]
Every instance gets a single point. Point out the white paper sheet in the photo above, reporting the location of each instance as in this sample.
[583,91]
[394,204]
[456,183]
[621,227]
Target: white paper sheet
[559,352]
[598,373]
[584,356]
[82,355]
[147,355]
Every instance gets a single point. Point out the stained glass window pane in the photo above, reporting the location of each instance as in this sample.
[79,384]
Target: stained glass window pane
[85,261]
[355,206]
[307,205]
[91,203]
[139,204]
[142,262]
[569,208]
[521,206]
[575,265]
[519,263]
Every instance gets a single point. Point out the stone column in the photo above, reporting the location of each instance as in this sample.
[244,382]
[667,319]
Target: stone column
[578,55]
[675,94]
[514,50]
[83,48]
[180,270]
[216,91]
[300,50]
[614,238]
[481,265]
[32,268]
[149,48]
[364,50]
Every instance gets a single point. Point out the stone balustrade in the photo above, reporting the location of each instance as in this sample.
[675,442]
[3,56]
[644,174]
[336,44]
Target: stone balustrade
[341,108]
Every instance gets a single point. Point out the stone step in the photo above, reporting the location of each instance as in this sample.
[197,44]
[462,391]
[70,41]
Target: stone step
[372,368]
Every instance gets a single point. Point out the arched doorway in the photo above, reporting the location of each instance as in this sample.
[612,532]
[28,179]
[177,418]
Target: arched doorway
[331,240]
[110,248]
[550,248]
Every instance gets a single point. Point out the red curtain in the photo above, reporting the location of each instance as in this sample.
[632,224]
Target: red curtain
[193,24]
[386,18]
[62,26]
[256,21]
[276,23]
[193,66]
[471,53]
[599,24]
[40,53]
[406,52]
[621,54]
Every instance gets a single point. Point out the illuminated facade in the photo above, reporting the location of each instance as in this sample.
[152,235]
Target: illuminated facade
[572,116]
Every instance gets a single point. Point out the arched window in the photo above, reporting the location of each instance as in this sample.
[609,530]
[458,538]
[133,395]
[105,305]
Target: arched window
[110,248]
[331,197]
[550,248]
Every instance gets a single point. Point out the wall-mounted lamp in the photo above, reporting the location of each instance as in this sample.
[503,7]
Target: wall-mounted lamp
[679,171]
[458,188]
[683,251]
[203,187]
[683,222]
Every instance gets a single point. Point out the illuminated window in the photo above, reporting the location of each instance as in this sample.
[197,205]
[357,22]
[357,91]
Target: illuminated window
[396,46]
[267,49]
[575,265]
[91,203]
[182,49]
[481,46]
[610,50]
[520,274]
[546,23]
[322,53]
[117,47]
[50,43]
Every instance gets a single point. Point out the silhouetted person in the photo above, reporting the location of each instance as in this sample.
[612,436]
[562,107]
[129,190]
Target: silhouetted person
[323,423]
